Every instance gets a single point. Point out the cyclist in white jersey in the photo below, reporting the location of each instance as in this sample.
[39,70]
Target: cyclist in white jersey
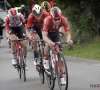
[14,25]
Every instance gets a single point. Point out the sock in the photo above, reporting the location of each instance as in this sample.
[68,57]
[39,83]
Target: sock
[14,55]
[35,54]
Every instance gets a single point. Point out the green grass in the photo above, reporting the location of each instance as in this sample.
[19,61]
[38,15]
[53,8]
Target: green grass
[90,50]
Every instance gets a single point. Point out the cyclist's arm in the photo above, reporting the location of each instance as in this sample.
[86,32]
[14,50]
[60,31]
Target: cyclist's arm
[7,33]
[46,39]
[29,26]
[28,33]
[68,36]
[7,27]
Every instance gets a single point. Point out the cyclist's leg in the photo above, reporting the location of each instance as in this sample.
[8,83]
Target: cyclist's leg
[57,38]
[21,35]
[13,45]
[46,57]
[61,68]
[39,32]
[36,37]
[35,45]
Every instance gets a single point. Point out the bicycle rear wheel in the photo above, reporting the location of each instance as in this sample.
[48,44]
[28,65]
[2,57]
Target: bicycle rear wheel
[41,68]
[63,72]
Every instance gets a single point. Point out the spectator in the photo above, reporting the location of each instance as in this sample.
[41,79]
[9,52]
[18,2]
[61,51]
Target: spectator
[32,3]
[24,11]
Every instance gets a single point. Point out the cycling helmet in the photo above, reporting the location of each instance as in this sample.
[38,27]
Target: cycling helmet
[37,10]
[12,12]
[22,6]
[55,13]
[46,6]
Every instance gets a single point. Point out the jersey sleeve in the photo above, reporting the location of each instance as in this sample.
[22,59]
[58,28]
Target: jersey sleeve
[22,18]
[29,21]
[66,26]
[7,27]
[45,25]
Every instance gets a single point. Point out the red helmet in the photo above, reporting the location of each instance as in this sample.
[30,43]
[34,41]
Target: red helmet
[55,13]
[12,12]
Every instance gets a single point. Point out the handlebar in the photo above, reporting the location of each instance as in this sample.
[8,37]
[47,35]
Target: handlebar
[60,43]
[18,40]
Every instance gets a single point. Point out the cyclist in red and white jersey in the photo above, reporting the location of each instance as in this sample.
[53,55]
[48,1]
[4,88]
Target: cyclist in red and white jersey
[46,7]
[50,33]
[14,29]
[34,25]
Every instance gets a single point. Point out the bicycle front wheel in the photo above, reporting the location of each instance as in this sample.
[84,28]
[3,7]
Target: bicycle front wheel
[19,71]
[62,73]
[19,65]
[22,65]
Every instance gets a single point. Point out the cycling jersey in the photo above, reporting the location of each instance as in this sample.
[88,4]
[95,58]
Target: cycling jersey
[33,22]
[49,25]
[14,21]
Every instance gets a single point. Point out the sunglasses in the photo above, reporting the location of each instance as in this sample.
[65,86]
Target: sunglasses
[56,19]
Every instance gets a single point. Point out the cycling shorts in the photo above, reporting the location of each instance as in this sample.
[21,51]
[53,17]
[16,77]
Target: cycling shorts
[55,37]
[18,31]
[38,31]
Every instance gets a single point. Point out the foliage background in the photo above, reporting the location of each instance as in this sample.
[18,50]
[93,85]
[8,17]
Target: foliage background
[83,16]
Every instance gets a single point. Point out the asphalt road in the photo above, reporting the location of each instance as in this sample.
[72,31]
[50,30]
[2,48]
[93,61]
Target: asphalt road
[83,74]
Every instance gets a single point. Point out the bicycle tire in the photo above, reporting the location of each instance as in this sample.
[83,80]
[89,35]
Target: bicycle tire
[22,65]
[24,72]
[50,81]
[62,87]
[51,77]
[19,67]
[19,71]
[41,68]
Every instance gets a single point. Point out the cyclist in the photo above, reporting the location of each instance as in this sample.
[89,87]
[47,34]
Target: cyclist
[50,33]
[46,6]
[24,11]
[34,25]
[14,29]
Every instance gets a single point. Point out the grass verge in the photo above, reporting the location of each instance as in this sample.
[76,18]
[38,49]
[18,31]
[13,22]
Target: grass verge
[90,50]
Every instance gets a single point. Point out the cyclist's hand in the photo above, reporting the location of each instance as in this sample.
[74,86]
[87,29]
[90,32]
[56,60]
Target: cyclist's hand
[51,43]
[32,38]
[70,42]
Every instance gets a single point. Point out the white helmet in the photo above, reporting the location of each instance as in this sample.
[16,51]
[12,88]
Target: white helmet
[37,10]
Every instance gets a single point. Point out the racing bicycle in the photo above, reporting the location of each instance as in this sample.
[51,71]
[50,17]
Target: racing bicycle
[55,71]
[20,60]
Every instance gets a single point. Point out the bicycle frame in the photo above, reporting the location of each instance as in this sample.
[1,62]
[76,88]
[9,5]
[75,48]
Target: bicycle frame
[18,46]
